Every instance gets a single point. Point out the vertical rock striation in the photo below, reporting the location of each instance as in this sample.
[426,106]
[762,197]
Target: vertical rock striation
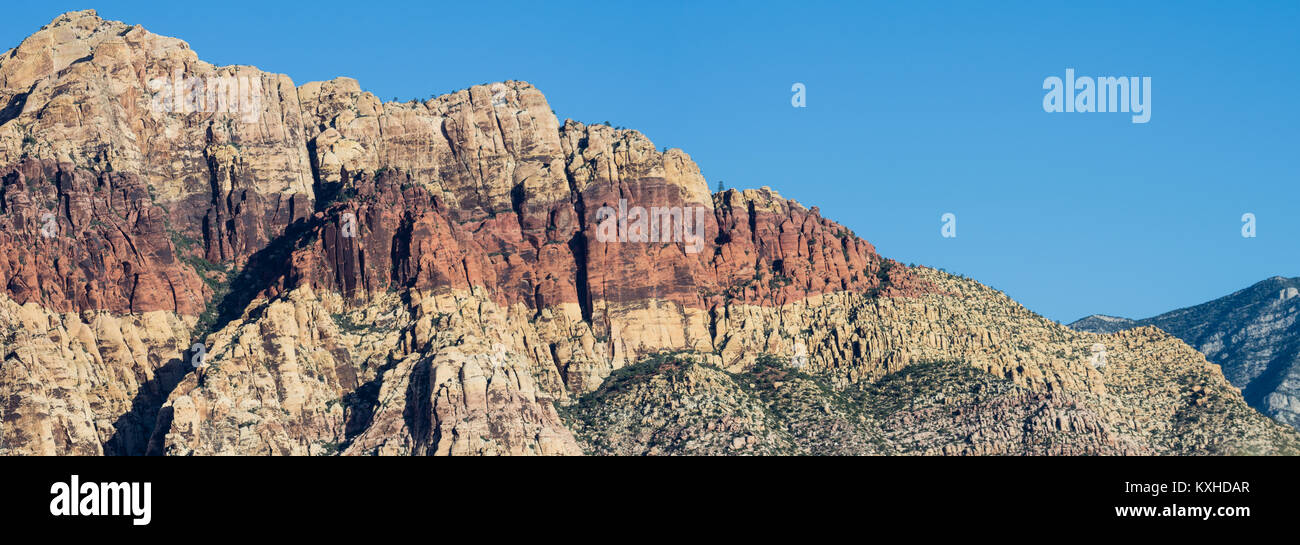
[443,276]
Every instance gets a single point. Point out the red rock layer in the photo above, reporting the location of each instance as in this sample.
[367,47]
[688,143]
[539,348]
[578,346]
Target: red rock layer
[758,249]
[108,246]
[481,187]
[80,91]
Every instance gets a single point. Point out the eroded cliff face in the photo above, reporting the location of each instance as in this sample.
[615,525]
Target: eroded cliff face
[457,373]
[84,383]
[84,92]
[110,202]
[443,277]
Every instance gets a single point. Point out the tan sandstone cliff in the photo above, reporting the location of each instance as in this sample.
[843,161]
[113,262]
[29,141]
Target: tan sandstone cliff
[430,278]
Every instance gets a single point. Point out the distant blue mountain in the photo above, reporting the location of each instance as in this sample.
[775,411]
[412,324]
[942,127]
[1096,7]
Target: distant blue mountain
[1253,335]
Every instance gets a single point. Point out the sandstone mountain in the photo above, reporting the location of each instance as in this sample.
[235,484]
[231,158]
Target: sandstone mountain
[1252,334]
[431,277]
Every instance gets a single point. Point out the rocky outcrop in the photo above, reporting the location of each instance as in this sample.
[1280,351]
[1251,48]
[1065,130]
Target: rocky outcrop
[672,404]
[84,383]
[303,375]
[1022,384]
[1100,323]
[76,239]
[88,93]
[1252,334]
[112,200]
[446,276]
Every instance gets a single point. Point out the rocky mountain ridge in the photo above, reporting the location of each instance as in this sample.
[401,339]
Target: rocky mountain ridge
[1101,323]
[1252,334]
[433,277]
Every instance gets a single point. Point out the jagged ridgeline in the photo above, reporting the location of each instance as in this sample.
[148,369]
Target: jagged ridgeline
[431,277]
[1252,334]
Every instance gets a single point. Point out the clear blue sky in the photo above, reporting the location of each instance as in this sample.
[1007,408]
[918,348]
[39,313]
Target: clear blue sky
[914,109]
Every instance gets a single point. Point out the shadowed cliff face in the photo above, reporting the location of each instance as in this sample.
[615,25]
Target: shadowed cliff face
[108,204]
[82,93]
[80,239]
[491,165]
[437,277]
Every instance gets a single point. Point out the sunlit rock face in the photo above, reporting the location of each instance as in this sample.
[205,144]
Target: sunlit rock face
[1252,334]
[313,271]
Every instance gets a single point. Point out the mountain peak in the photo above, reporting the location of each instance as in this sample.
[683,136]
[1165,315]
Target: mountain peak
[1251,334]
[72,18]
[1101,323]
[1282,280]
[67,39]
[489,266]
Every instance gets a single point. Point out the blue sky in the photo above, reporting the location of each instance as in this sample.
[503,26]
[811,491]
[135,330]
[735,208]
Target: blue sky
[914,109]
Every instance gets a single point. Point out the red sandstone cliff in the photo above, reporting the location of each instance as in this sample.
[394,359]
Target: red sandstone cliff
[437,277]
